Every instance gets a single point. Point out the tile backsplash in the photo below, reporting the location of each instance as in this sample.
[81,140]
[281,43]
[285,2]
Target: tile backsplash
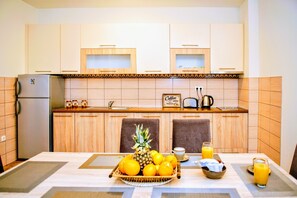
[147,92]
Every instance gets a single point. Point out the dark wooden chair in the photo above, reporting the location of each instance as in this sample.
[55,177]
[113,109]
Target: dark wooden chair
[293,170]
[190,134]
[128,129]
[1,166]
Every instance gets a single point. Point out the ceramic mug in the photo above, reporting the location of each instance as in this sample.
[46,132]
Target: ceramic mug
[179,153]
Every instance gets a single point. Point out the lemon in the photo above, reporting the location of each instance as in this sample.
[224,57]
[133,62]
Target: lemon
[131,167]
[122,162]
[158,158]
[165,169]
[149,170]
[172,159]
[153,153]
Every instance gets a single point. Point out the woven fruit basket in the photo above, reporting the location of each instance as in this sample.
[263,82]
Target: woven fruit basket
[140,180]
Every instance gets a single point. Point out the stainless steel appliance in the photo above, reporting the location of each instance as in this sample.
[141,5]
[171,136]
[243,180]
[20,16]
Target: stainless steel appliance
[37,96]
[207,101]
[190,102]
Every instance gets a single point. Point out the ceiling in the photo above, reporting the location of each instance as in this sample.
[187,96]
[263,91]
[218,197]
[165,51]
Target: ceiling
[131,3]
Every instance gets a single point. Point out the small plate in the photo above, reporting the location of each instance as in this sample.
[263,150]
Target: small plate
[186,158]
[250,169]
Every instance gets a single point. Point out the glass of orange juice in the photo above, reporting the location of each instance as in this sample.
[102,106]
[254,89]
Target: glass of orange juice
[207,150]
[261,172]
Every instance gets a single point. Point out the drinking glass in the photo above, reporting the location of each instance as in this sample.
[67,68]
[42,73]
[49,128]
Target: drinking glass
[207,150]
[261,172]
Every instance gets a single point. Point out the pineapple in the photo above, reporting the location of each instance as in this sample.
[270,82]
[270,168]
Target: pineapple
[142,147]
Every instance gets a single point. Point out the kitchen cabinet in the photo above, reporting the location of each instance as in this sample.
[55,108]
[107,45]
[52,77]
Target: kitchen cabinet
[165,145]
[230,132]
[113,124]
[108,35]
[226,48]
[189,116]
[189,36]
[64,132]
[70,49]
[89,132]
[43,49]
[152,48]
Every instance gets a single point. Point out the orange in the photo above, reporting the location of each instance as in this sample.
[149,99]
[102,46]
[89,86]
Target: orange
[158,158]
[122,162]
[165,169]
[172,159]
[131,167]
[153,153]
[149,170]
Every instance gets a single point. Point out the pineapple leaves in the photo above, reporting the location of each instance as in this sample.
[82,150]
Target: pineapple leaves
[141,137]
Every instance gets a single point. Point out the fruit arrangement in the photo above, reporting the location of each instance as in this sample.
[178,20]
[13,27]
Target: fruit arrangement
[144,161]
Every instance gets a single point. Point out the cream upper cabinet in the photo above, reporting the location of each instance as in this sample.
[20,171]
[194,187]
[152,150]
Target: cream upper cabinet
[89,132]
[230,132]
[70,49]
[152,48]
[226,48]
[164,129]
[108,36]
[44,49]
[189,36]
[113,124]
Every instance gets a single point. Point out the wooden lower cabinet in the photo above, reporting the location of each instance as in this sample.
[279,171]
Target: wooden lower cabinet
[113,124]
[230,132]
[64,132]
[89,132]
[78,132]
[164,129]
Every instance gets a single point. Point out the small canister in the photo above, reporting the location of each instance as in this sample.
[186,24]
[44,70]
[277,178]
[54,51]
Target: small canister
[84,103]
[74,103]
[68,104]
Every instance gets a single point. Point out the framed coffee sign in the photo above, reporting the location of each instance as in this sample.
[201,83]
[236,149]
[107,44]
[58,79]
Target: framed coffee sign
[171,100]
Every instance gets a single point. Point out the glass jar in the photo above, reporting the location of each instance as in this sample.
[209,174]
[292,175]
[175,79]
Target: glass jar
[68,104]
[74,103]
[84,103]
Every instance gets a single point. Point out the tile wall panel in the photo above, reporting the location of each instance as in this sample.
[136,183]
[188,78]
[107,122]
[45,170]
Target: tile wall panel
[7,119]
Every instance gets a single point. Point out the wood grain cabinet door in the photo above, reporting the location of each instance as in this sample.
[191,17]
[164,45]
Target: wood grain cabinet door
[64,132]
[230,132]
[89,132]
[113,124]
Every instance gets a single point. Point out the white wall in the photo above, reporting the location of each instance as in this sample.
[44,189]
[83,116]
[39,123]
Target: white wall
[140,15]
[278,50]
[14,14]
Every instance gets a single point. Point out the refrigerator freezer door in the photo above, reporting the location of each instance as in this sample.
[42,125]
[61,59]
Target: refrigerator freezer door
[33,127]
[37,86]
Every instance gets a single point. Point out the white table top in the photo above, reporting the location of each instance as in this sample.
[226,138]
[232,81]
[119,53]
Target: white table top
[70,176]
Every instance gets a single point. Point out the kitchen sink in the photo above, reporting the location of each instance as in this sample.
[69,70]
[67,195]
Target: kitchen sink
[111,108]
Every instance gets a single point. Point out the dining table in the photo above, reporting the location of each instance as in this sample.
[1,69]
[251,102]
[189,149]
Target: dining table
[74,174]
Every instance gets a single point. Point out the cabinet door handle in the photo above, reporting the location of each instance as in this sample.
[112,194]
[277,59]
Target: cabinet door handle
[118,116]
[88,116]
[190,45]
[69,70]
[148,116]
[62,116]
[153,71]
[107,71]
[191,116]
[230,116]
[227,68]
[189,70]
[43,71]
[106,45]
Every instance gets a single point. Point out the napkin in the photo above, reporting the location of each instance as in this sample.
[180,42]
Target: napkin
[212,165]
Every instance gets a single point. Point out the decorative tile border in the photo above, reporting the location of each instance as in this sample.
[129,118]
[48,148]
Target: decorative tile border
[221,76]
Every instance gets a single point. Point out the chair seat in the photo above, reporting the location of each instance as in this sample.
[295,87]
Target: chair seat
[128,129]
[293,170]
[190,134]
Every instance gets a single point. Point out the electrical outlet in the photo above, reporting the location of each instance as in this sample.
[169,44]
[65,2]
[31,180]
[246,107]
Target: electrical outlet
[199,88]
[3,138]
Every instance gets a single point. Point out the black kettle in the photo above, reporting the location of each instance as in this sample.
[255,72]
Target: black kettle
[207,101]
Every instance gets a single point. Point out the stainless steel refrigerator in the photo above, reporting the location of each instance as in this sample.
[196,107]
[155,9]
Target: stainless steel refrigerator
[37,96]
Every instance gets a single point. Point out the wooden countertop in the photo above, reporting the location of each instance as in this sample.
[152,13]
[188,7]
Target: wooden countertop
[146,110]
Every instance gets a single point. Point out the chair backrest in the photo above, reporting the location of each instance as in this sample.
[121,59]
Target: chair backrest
[1,166]
[293,170]
[128,129]
[190,134]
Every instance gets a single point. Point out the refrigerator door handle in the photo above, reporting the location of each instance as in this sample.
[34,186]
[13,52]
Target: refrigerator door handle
[18,88]
[18,107]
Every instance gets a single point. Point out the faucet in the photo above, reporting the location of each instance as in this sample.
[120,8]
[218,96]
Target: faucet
[110,103]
